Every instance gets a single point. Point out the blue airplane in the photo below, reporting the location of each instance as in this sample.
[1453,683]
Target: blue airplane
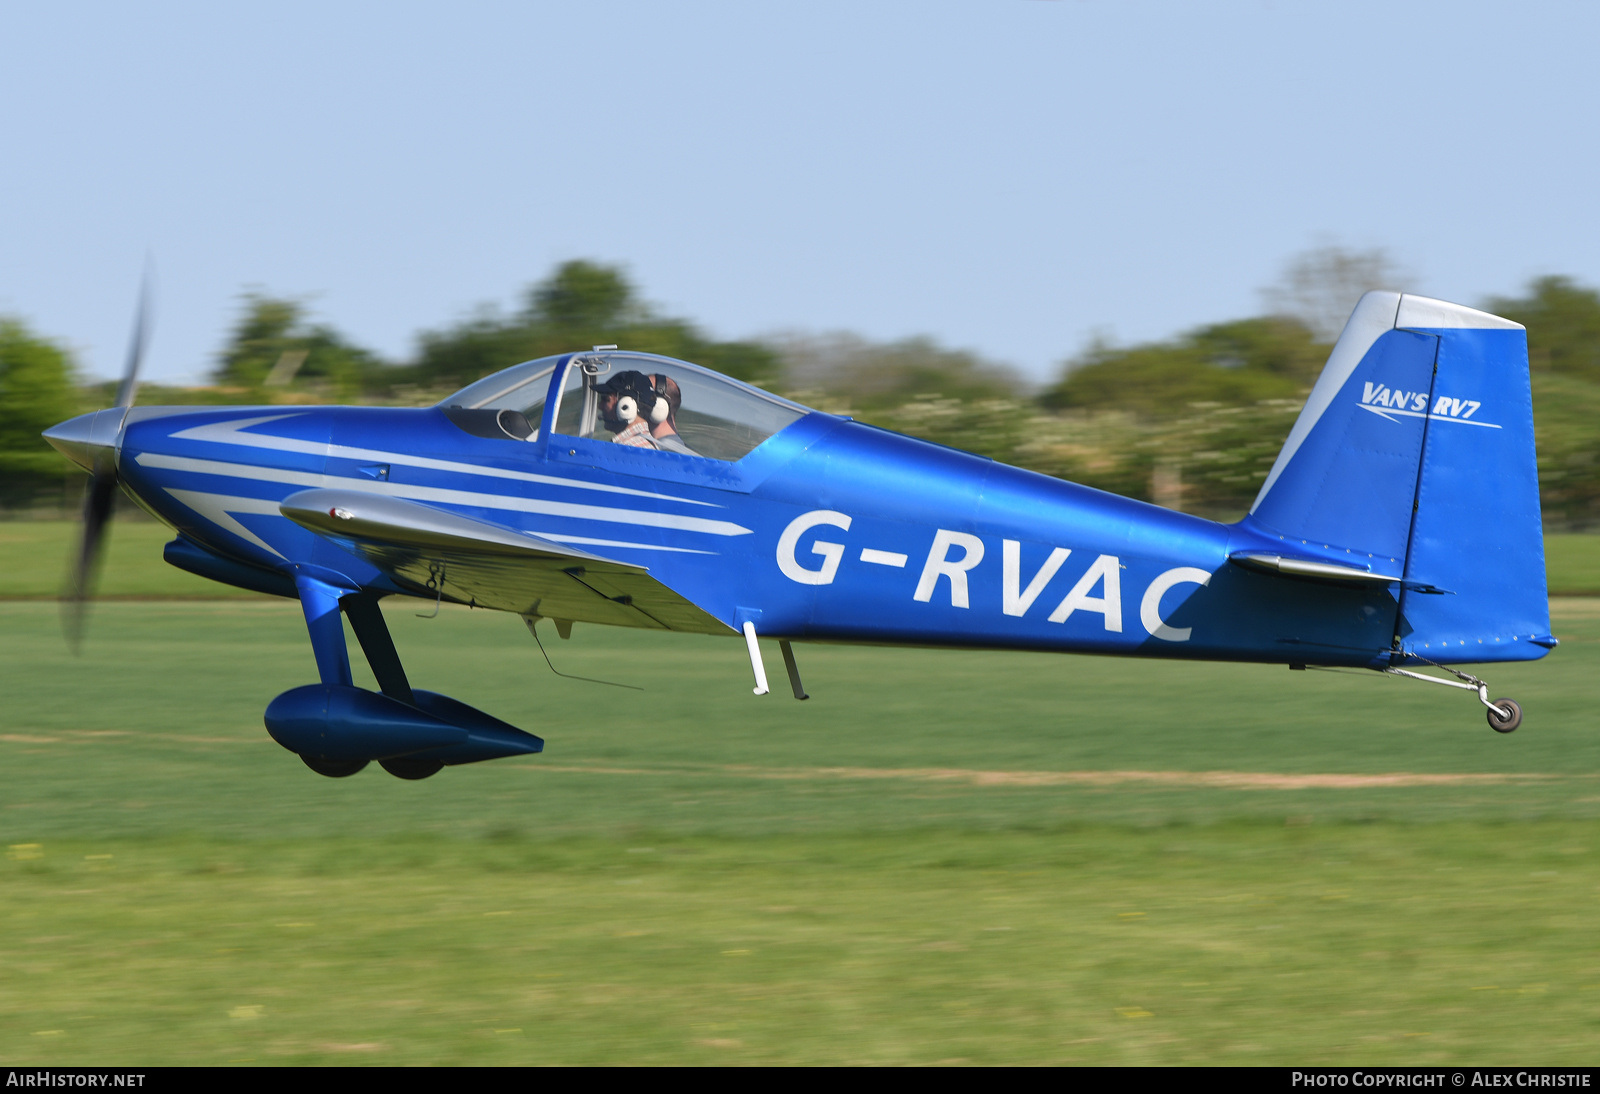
[1398,530]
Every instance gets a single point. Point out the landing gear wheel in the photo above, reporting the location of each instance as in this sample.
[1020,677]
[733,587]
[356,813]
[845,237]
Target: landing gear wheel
[1508,723]
[334,769]
[403,768]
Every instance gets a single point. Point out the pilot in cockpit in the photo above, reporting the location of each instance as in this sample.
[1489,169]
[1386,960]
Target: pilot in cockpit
[641,411]
[665,432]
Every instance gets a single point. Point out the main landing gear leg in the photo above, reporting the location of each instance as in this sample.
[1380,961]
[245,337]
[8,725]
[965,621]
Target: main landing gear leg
[320,603]
[336,727]
[372,631]
[1504,714]
[366,619]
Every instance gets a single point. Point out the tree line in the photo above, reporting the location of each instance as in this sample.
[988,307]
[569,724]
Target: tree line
[1192,422]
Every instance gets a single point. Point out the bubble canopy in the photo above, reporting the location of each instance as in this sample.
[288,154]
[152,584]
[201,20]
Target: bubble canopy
[701,413]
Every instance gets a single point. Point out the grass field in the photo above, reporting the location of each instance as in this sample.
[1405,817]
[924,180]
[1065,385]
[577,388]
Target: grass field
[985,858]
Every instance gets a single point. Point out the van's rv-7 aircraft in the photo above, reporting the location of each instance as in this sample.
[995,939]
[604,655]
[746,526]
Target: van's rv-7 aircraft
[1398,530]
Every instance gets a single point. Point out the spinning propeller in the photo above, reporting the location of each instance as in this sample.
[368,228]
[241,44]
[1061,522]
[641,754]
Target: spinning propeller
[101,490]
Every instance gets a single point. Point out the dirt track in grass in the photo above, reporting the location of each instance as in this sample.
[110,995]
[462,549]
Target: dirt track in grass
[1226,780]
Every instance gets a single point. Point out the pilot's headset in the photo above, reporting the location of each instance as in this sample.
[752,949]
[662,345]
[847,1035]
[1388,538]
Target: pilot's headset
[669,399]
[635,397]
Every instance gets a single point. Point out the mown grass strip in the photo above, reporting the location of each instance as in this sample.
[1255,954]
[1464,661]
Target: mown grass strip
[1235,943]
[943,856]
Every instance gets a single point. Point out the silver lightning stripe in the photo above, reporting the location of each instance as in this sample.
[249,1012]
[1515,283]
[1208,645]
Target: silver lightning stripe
[233,433]
[218,508]
[1392,403]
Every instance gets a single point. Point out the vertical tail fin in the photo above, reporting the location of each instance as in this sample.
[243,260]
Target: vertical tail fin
[1415,454]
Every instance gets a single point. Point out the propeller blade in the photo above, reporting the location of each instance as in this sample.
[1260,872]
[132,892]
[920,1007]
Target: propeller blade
[98,496]
[101,490]
[136,345]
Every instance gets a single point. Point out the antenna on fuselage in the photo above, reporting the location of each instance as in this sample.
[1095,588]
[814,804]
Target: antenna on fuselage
[531,621]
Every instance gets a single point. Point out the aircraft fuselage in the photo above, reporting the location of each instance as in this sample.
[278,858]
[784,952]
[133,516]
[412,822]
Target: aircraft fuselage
[831,530]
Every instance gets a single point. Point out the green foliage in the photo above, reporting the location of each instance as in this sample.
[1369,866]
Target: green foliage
[1193,422]
[581,298]
[104,393]
[1566,409]
[1320,287]
[581,304]
[1563,321]
[275,346]
[36,392]
[877,377]
[1232,364]
[1215,457]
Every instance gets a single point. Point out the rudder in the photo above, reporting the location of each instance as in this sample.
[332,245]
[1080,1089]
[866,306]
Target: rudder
[1475,575]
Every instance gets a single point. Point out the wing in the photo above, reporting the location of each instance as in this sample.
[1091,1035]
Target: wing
[492,566]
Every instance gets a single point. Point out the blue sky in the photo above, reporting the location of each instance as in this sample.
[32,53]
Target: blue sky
[1010,176]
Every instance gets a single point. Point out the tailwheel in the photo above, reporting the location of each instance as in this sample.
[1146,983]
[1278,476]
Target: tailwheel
[1504,715]
[334,769]
[403,767]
